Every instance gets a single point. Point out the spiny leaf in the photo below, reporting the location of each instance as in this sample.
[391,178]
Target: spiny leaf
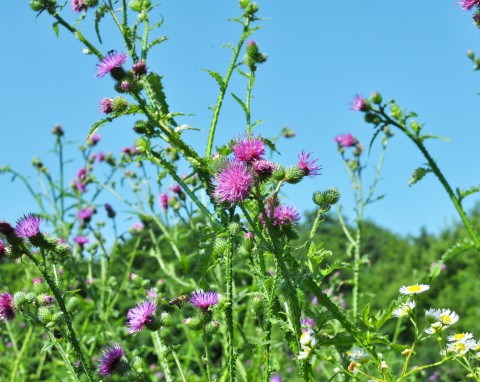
[430,136]
[217,78]
[242,104]
[156,42]
[464,193]
[154,89]
[452,251]
[181,128]
[55,28]
[418,175]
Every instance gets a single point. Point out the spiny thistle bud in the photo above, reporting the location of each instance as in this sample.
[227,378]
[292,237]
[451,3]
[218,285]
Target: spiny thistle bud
[20,299]
[220,246]
[244,3]
[166,319]
[332,195]
[57,317]
[369,117]
[257,306]
[36,5]
[376,98]
[212,327]
[119,104]
[91,3]
[45,315]
[165,334]
[58,130]
[138,365]
[140,68]
[142,145]
[72,304]
[470,54]
[143,127]
[44,299]
[193,323]
[293,174]
[251,9]
[234,228]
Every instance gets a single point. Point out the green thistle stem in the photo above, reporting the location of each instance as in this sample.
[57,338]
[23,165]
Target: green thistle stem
[223,89]
[161,350]
[229,309]
[63,354]
[26,341]
[71,336]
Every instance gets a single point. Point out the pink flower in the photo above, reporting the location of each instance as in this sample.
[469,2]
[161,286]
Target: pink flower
[176,189]
[106,105]
[307,165]
[469,4]
[249,149]
[163,200]
[357,103]
[346,140]
[112,357]
[233,183]
[113,60]
[204,300]
[81,240]
[285,215]
[140,316]
[85,214]
[7,311]
[78,5]
[264,168]
[28,226]
[3,250]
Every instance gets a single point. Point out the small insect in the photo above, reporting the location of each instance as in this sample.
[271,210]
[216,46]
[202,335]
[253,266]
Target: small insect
[180,300]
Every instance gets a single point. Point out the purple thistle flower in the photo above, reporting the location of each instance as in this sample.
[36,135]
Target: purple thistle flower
[152,294]
[469,4]
[308,322]
[7,312]
[113,60]
[106,106]
[111,358]
[139,68]
[233,183]
[163,200]
[85,214]
[80,186]
[95,138]
[307,165]
[37,280]
[315,300]
[140,316]
[346,140]
[176,189]
[276,378]
[136,227]
[28,226]
[78,5]
[204,300]
[357,103]
[249,149]
[285,215]
[48,300]
[110,211]
[3,250]
[82,173]
[264,168]
[125,86]
[81,240]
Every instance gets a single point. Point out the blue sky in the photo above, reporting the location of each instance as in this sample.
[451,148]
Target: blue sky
[320,54]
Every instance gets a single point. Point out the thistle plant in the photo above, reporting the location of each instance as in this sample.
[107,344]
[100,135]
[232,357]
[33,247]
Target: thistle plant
[211,281]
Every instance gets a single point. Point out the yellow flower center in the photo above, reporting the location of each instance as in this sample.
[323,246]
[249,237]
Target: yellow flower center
[414,288]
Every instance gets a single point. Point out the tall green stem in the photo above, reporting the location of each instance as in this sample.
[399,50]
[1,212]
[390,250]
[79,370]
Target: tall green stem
[161,350]
[223,88]
[229,310]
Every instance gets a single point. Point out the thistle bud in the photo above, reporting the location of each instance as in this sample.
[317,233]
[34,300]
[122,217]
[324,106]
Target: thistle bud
[20,299]
[279,173]
[220,246]
[257,306]
[45,315]
[142,145]
[234,228]
[293,174]
[193,323]
[166,319]
[212,328]
[376,98]
[119,104]
[72,304]
[138,365]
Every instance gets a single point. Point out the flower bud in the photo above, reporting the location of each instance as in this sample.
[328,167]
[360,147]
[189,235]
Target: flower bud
[376,98]
[234,228]
[142,145]
[36,5]
[20,299]
[45,315]
[257,306]
[72,304]
[279,173]
[119,104]
[293,174]
[212,327]
[91,3]
[138,365]
[193,323]
[166,319]
[470,54]
[220,246]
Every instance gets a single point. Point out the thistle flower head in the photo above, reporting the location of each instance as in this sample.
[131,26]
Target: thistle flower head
[3,250]
[204,300]
[264,168]
[249,149]
[7,312]
[111,359]
[28,226]
[78,5]
[467,5]
[163,199]
[307,165]
[276,378]
[140,315]
[113,60]
[85,214]
[81,240]
[346,140]
[106,106]
[234,183]
[285,215]
[358,103]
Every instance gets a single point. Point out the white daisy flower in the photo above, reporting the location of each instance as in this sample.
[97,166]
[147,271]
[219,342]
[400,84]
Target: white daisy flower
[432,315]
[436,327]
[304,353]
[307,339]
[460,337]
[414,289]
[448,317]
[460,348]
[404,309]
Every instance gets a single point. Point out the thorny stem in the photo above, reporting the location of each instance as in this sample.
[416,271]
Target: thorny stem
[251,81]
[68,320]
[229,307]
[161,351]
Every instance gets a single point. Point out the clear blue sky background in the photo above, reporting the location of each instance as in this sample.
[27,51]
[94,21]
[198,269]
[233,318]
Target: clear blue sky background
[320,54]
